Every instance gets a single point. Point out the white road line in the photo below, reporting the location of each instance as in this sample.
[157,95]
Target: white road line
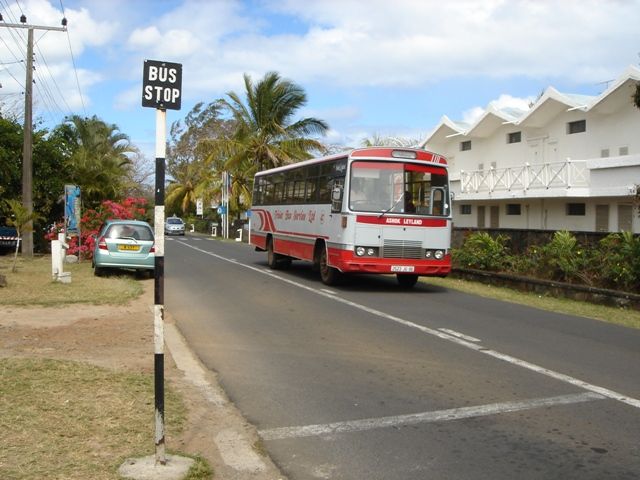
[330,292]
[425,417]
[459,335]
[634,402]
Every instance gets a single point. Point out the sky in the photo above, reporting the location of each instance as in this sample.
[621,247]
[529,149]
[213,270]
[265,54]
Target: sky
[369,67]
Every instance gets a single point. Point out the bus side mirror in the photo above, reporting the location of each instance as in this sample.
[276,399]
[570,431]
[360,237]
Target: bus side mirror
[336,199]
[336,194]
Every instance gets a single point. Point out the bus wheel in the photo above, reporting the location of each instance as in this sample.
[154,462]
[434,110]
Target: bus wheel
[329,275]
[407,281]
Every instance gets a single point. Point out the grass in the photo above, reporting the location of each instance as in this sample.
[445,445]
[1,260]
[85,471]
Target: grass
[32,284]
[619,316]
[69,420]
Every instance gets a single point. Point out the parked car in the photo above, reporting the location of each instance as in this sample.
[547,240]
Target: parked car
[127,244]
[8,239]
[174,226]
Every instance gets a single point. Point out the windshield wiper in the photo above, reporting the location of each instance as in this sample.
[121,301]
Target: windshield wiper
[391,207]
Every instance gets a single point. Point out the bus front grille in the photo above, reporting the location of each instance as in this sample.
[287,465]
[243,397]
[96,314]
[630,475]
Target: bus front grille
[402,249]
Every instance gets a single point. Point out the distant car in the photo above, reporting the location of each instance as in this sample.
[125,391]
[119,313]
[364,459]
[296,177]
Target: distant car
[174,226]
[125,244]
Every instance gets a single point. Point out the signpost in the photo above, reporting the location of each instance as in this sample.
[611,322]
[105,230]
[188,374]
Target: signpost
[162,90]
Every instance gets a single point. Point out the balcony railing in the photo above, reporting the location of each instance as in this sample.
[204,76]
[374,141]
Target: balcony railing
[572,173]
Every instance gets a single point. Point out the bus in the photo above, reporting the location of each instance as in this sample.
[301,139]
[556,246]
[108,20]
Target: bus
[371,210]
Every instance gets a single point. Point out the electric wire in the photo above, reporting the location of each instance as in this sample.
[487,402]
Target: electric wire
[73,60]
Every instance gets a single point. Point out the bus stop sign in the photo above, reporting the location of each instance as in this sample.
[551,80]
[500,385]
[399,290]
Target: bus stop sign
[162,85]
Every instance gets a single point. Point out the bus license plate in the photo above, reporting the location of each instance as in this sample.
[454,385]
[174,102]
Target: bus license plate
[402,268]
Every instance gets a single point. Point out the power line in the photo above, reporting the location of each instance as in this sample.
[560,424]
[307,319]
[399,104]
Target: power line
[73,60]
[27,160]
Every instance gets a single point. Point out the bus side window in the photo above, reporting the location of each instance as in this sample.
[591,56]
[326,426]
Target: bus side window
[324,189]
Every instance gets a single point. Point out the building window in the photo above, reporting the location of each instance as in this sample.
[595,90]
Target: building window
[578,126]
[513,209]
[623,151]
[576,209]
[465,146]
[465,209]
[514,137]
[604,153]
[625,218]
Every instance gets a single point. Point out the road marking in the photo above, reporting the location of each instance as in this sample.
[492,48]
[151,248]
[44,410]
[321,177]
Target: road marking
[634,402]
[459,335]
[330,292]
[425,417]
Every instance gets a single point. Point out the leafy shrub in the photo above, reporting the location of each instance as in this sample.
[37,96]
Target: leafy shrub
[562,258]
[482,251]
[619,261]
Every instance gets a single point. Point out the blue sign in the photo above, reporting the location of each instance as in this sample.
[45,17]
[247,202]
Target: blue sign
[72,209]
[222,210]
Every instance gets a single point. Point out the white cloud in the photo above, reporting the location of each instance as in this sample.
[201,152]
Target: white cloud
[471,115]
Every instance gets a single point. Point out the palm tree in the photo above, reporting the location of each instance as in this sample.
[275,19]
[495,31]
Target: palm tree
[23,221]
[379,141]
[99,159]
[183,190]
[265,134]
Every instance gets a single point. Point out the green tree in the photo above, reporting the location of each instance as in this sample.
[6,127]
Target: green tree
[22,220]
[190,174]
[182,190]
[48,172]
[266,134]
[99,158]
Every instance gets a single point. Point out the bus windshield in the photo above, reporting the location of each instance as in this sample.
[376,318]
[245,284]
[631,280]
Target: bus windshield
[397,187]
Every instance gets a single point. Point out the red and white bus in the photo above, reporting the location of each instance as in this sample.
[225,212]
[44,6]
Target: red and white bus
[372,210]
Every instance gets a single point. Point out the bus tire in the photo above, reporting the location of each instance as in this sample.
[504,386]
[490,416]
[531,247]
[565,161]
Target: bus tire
[276,260]
[328,275]
[407,281]
[272,257]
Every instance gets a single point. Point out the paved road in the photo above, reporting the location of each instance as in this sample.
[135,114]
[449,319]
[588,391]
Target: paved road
[366,381]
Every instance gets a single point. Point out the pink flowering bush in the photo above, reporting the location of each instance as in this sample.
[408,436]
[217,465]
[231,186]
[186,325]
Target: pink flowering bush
[93,219]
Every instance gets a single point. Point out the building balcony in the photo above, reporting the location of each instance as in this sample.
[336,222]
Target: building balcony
[571,178]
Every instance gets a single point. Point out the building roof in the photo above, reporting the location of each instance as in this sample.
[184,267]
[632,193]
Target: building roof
[550,104]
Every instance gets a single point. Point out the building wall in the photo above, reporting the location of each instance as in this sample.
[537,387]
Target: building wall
[548,214]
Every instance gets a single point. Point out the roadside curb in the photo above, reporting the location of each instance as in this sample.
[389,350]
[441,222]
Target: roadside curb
[236,439]
[601,296]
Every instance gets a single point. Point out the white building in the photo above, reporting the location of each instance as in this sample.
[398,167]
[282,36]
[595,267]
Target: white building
[570,162]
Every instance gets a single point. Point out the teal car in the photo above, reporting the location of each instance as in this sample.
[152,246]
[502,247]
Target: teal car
[124,244]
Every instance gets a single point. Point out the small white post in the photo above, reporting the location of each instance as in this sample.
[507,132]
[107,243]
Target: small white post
[214,231]
[239,239]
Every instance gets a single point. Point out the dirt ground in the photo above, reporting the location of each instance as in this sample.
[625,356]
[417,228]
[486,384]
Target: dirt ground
[121,338]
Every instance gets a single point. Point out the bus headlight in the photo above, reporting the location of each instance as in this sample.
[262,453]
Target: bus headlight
[437,254]
[366,251]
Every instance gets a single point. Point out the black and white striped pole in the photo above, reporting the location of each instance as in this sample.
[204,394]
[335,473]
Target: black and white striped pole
[158,291]
[161,89]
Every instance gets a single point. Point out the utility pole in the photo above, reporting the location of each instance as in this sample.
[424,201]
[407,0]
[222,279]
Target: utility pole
[27,149]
